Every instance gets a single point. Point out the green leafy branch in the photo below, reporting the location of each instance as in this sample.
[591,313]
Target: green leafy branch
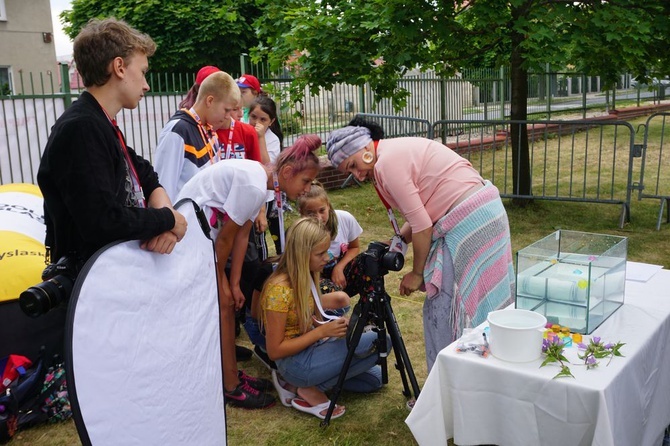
[593,352]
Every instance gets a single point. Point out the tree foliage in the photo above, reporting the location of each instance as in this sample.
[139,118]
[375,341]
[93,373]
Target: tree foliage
[331,41]
[189,34]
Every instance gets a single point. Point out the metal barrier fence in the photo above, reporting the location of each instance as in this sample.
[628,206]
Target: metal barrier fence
[29,120]
[397,126]
[569,161]
[579,161]
[655,167]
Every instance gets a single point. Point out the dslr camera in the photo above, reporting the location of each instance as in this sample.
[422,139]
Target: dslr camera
[378,260]
[56,289]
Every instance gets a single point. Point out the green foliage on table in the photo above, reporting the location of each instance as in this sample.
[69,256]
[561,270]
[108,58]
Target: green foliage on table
[553,350]
[595,350]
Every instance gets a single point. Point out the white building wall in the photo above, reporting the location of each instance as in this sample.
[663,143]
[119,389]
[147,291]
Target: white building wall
[26,44]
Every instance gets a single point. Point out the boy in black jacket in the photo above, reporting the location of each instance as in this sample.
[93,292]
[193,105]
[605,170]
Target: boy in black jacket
[96,189]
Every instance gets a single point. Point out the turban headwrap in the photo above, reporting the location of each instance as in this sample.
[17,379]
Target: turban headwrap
[344,142]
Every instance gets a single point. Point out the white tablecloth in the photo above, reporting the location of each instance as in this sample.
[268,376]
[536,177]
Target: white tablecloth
[478,400]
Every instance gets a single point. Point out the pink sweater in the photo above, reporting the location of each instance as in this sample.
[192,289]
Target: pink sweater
[422,178]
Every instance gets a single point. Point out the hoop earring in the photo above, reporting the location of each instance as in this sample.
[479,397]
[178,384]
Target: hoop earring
[367,157]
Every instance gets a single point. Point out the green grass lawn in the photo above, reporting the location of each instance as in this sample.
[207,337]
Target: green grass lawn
[379,418]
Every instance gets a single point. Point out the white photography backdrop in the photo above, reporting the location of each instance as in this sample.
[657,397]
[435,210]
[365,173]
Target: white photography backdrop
[144,359]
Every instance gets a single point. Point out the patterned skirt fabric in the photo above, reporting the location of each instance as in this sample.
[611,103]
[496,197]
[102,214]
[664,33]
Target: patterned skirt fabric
[476,233]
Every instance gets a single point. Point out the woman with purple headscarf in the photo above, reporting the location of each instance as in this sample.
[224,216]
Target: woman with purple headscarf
[455,221]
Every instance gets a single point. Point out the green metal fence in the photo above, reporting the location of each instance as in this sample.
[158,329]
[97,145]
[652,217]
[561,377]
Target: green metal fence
[474,95]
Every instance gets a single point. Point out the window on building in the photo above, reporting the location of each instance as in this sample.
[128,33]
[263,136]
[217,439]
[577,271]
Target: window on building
[3,11]
[5,80]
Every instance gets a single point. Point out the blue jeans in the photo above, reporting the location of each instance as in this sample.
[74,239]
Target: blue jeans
[320,365]
[254,330]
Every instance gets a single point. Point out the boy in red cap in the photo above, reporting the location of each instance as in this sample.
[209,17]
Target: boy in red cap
[188,142]
[205,71]
[250,88]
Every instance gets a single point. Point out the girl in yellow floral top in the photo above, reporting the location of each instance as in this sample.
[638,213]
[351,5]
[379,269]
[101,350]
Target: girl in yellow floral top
[309,354]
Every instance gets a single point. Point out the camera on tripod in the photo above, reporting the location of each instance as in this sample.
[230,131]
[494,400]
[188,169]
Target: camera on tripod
[56,289]
[374,309]
[378,260]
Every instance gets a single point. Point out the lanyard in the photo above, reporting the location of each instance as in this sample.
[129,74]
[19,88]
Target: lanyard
[280,210]
[134,178]
[229,145]
[327,318]
[389,211]
[208,136]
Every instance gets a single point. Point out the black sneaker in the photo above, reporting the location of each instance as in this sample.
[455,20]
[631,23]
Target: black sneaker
[247,397]
[264,358]
[242,353]
[260,384]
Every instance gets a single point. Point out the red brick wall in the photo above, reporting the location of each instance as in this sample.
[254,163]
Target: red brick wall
[328,176]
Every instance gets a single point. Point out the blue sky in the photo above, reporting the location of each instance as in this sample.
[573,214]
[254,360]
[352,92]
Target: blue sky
[62,42]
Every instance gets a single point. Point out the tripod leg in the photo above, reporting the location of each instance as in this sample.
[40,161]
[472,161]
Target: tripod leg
[401,355]
[363,316]
[383,349]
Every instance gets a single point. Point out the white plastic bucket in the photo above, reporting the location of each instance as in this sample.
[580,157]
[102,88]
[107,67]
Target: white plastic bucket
[516,335]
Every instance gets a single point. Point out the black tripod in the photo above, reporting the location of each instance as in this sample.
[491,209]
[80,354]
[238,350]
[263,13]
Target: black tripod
[375,308]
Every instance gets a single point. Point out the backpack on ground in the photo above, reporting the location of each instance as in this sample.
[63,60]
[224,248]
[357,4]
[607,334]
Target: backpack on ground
[34,397]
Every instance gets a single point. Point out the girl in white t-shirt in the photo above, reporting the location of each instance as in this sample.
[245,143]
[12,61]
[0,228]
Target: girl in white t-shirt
[231,193]
[263,116]
[344,271]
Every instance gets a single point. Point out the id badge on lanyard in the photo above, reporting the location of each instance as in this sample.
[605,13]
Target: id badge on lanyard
[137,191]
[398,244]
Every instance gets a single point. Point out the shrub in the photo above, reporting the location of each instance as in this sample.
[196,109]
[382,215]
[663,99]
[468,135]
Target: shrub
[290,124]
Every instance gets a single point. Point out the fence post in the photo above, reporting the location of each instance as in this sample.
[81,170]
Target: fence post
[443,105]
[547,83]
[243,63]
[584,88]
[361,99]
[65,84]
[502,93]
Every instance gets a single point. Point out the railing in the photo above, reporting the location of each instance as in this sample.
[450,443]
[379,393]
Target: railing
[569,160]
[655,167]
[578,161]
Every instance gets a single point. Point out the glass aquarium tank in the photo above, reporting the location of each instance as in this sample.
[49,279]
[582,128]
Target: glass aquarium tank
[575,279]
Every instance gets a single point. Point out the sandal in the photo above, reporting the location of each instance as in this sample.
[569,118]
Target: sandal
[285,395]
[303,406]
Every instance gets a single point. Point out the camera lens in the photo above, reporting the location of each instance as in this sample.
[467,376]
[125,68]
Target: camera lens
[41,298]
[393,261]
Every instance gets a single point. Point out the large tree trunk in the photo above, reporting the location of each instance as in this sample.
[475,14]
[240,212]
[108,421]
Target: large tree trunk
[519,112]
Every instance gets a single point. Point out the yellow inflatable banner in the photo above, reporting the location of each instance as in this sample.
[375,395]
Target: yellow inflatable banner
[22,232]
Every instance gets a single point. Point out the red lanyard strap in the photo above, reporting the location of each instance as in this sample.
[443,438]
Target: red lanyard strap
[134,177]
[208,136]
[389,211]
[229,145]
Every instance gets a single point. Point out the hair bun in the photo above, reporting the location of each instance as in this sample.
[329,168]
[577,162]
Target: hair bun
[309,142]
